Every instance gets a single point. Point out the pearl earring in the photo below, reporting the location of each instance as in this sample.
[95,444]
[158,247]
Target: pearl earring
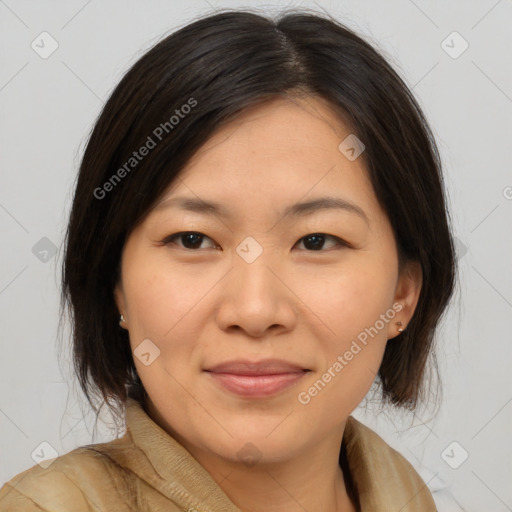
[400,328]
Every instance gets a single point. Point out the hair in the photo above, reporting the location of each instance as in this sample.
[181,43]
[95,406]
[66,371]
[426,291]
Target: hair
[220,65]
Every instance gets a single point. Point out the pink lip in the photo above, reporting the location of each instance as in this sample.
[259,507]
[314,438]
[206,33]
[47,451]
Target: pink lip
[256,379]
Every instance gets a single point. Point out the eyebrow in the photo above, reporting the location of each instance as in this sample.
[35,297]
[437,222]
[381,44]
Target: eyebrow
[303,209]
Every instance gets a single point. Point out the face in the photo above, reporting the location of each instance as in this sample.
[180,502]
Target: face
[251,323]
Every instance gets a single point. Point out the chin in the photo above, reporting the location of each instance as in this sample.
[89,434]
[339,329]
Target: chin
[266,439]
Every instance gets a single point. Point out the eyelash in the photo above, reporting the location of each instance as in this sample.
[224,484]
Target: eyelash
[170,240]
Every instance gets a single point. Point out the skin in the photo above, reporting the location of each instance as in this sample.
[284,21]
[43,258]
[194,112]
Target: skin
[206,305]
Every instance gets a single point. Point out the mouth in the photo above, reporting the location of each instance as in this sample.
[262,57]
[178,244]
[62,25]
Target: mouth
[256,379]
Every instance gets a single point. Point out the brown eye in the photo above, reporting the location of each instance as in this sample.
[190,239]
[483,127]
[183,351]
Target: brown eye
[316,241]
[192,240]
[187,239]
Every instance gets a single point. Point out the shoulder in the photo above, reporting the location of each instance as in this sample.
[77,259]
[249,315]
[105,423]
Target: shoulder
[384,474]
[87,478]
[378,448]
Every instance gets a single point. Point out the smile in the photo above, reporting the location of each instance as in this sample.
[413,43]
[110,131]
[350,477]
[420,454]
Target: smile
[256,379]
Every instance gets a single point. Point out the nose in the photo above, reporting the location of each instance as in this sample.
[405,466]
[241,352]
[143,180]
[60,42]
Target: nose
[256,299]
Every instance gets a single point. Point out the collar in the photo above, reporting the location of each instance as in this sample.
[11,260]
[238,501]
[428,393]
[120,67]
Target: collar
[382,477]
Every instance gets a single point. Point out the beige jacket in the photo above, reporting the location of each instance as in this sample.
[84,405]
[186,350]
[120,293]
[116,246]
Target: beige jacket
[148,470]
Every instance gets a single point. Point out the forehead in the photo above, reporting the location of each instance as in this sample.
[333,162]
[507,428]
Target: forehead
[277,153]
[278,128]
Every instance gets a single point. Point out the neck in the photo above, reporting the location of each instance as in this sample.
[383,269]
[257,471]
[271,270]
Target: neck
[312,481]
[280,490]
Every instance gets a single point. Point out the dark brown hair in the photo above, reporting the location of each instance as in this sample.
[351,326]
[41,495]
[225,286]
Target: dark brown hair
[220,65]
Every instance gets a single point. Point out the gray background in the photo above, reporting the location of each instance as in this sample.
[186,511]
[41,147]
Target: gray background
[48,106]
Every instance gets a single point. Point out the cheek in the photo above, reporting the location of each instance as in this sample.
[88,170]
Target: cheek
[160,296]
[162,304]
[349,299]
[355,312]
[166,304]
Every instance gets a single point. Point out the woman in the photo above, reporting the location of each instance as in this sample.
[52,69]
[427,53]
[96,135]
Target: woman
[259,230]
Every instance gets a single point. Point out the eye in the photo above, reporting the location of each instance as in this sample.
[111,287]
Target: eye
[316,241]
[192,240]
[189,239]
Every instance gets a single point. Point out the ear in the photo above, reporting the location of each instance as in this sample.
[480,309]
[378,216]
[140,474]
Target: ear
[407,294]
[119,300]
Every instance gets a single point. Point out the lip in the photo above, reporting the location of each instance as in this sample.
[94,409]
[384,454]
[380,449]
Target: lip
[256,379]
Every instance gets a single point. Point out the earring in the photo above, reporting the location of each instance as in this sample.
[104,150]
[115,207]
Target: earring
[121,320]
[400,328]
